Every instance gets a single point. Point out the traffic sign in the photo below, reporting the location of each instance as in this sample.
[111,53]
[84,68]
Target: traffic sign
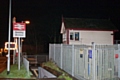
[90,53]
[19,30]
[13,45]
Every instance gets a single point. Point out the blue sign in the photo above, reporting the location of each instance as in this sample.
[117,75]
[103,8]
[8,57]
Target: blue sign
[90,53]
[81,55]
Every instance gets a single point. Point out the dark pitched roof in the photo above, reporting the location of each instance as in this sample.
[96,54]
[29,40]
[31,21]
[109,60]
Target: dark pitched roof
[102,24]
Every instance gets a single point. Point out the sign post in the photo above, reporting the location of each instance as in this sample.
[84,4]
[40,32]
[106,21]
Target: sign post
[9,35]
[19,31]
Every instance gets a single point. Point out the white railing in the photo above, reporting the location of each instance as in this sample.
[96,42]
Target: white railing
[26,65]
[90,62]
[42,73]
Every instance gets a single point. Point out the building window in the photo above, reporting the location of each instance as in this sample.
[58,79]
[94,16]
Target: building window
[76,36]
[71,36]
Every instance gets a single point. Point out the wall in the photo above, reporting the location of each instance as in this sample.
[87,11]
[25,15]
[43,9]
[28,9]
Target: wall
[86,37]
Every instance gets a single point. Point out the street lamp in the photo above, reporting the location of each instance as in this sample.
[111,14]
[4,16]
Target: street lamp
[26,22]
[19,40]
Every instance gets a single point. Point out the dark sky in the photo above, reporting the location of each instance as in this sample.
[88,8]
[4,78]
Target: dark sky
[45,15]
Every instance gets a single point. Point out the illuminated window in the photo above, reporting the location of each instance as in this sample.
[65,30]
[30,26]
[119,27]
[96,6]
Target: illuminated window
[76,36]
[71,36]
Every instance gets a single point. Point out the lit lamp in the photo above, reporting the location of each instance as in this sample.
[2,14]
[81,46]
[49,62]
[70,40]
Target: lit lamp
[22,40]
[26,22]
[5,50]
[1,50]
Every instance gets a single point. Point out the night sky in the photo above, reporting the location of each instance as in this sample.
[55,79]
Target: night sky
[45,16]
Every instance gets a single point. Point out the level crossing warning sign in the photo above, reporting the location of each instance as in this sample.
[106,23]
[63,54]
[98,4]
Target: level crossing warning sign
[19,30]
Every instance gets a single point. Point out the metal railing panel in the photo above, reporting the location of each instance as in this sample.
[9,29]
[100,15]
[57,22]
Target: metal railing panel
[90,62]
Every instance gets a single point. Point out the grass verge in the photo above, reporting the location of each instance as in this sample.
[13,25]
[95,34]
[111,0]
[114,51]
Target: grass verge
[15,73]
[53,66]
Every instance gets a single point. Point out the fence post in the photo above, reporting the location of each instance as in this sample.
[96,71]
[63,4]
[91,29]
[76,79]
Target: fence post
[54,52]
[50,51]
[61,56]
[73,60]
[119,61]
[93,61]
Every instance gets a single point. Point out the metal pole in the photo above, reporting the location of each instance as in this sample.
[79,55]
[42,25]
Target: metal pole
[15,40]
[14,52]
[73,54]
[93,61]
[21,46]
[19,54]
[61,56]
[8,62]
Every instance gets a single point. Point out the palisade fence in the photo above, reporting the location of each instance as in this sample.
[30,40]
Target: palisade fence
[87,62]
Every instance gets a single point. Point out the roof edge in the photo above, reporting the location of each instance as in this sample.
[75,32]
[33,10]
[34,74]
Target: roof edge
[91,29]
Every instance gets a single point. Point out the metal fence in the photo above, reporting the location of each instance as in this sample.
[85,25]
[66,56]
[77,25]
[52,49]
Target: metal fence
[87,62]
[118,61]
